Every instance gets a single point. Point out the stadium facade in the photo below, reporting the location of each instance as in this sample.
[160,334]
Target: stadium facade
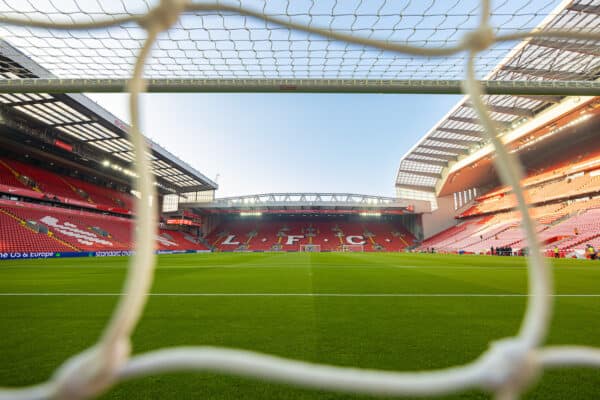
[65,176]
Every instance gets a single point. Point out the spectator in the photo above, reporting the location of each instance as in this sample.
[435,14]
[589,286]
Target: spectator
[591,252]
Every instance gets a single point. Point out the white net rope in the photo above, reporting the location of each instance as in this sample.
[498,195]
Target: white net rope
[510,365]
[222,43]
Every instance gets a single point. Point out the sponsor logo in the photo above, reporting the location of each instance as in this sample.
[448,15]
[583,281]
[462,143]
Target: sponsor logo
[115,253]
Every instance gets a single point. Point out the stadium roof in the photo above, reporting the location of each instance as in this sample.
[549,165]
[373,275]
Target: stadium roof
[459,133]
[302,202]
[79,121]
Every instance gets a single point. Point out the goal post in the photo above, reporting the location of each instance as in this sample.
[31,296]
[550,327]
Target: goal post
[310,248]
[297,85]
[353,248]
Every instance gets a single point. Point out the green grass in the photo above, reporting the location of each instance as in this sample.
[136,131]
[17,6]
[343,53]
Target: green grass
[394,333]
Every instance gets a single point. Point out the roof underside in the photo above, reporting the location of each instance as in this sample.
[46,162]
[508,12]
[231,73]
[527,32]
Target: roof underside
[459,132]
[313,201]
[78,120]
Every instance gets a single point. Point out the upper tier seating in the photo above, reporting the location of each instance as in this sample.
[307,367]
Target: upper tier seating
[47,182]
[15,173]
[564,181]
[100,195]
[572,166]
[9,177]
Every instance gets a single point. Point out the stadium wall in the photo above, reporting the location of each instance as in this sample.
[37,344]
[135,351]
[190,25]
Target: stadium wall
[28,255]
[440,219]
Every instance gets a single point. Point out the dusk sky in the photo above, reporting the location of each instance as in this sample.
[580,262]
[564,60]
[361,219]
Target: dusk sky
[259,143]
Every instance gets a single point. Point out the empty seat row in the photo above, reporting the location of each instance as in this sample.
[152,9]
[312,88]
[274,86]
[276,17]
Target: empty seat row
[22,175]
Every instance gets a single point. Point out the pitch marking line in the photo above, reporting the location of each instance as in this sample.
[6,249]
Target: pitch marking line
[296,295]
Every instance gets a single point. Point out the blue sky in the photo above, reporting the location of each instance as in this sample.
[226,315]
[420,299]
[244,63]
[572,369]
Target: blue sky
[260,143]
[279,142]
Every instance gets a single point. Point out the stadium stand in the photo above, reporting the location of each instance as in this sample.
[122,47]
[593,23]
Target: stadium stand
[72,230]
[288,234]
[60,187]
[16,235]
[566,205]
[10,177]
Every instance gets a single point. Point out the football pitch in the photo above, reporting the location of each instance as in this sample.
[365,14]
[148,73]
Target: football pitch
[385,311]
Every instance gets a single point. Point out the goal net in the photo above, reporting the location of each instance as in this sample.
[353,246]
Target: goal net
[310,248]
[351,248]
[386,46]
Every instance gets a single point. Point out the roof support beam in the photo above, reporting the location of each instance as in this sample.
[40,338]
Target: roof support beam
[521,112]
[518,111]
[546,73]
[585,8]
[105,140]
[421,188]
[463,132]
[439,163]
[545,99]
[76,123]
[448,157]
[32,102]
[474,121]
[462,142]
[436,175]
[455,150]
[585,48]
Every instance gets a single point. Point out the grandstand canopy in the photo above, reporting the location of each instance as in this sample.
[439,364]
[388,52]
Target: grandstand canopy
[298,203]
[75,123]
[459,134]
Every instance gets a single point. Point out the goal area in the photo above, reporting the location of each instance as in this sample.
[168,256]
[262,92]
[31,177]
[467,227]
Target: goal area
[310,248]
[353,248]
[305,46]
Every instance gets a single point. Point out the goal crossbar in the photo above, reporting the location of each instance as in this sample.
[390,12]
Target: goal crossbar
[407,86]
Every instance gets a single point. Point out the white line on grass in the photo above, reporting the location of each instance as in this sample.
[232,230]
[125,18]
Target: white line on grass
[281,266]
[297,294]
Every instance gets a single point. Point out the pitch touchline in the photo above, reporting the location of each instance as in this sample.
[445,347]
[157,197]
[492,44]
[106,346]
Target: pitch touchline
[300,294]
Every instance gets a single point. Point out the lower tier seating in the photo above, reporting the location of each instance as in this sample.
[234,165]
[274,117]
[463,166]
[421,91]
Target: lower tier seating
[17,236]
[569,226]
[28,227]
[289,235]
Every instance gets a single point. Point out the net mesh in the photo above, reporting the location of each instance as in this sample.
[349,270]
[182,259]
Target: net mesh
[224,44]
[469,45]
